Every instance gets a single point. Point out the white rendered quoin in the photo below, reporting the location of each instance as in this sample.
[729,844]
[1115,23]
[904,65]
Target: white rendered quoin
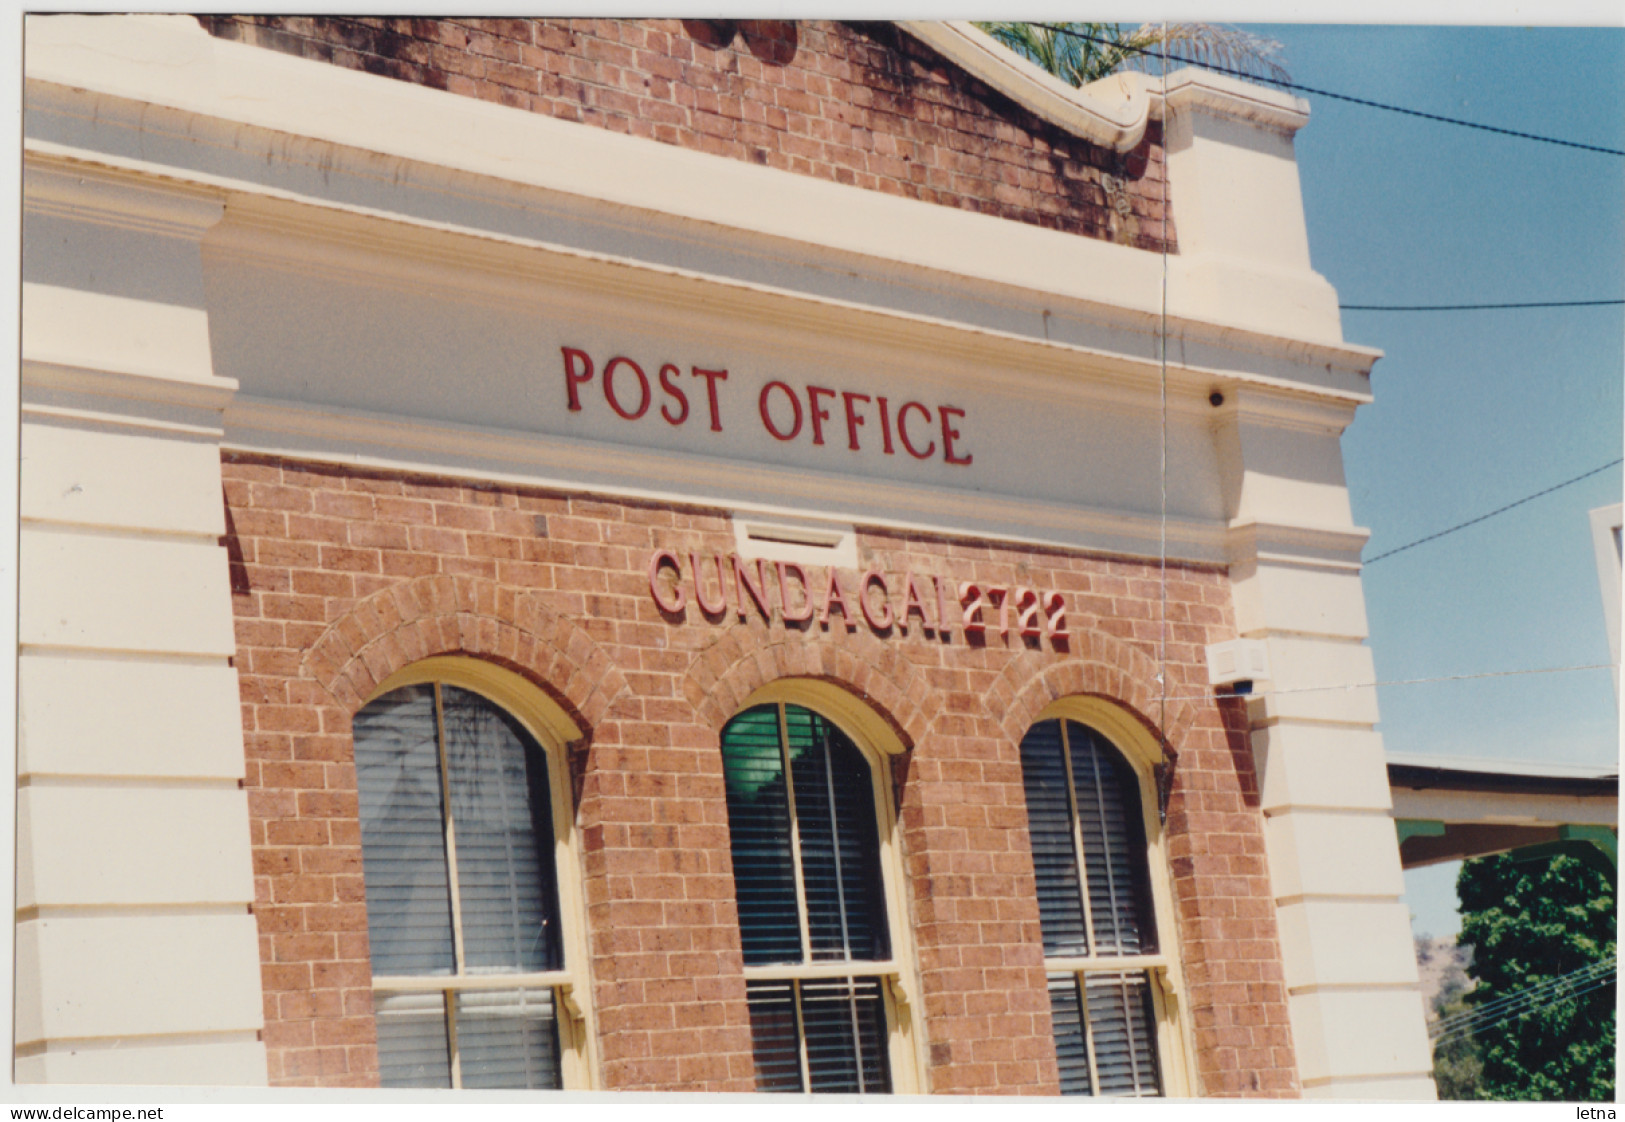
[137,959]
[195,204]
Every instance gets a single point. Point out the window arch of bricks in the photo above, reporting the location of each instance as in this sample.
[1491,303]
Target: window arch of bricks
[527,662]
[743,659]
[444,615]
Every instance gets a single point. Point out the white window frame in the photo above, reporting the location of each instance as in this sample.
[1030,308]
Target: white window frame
[552,729]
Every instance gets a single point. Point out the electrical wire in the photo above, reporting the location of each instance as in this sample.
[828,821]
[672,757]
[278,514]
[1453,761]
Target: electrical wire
[1343,97]
[1510,1004]
[1521,1003]
[1408,681]
[1529,993]
[1477,307]
[1493,513]
[1473,1030]
[1162,522]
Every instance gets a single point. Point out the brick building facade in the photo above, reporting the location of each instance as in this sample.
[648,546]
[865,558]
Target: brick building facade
[640,380]
[344,577]
[857,103]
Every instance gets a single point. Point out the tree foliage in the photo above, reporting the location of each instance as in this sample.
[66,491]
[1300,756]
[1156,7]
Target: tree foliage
[1084,52]
[1531,921]
[1458,1071]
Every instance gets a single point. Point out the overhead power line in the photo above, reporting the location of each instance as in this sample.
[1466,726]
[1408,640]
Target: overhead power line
[1477,307]
[1407,681]
[1346,97]
[1538,992]
[1493,513]
[1532,999]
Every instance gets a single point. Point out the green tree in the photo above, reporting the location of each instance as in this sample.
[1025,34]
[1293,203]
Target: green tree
[1458,1071]
[1083,52]
[1536,920]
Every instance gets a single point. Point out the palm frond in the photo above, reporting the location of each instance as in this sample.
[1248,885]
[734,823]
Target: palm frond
[1209,44]
[1080,53]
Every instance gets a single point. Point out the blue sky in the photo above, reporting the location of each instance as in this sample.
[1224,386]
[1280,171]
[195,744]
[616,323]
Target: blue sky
[1474,410]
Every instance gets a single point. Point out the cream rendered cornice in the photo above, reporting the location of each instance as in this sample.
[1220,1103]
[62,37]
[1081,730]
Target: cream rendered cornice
[1203,91]
[323,239]
[171,87]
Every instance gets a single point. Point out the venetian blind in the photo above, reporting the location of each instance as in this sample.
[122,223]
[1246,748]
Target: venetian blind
[456,809]
[403,842]
[1099,793]
[806,855]
[1089,854]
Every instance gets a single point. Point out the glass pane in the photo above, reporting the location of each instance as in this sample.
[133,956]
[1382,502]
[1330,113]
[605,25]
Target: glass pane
[507,1038]
[1071,1049]
[412,1048]
[840,842]
[403,846]
[1122,1021]
[1055,857]
[845,1023]
[774,1036]
[759,834]
[1108,797]
[502,817]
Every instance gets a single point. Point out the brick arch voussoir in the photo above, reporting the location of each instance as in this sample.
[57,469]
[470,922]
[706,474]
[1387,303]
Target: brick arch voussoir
[748,656]
[1103,667]
[440,615]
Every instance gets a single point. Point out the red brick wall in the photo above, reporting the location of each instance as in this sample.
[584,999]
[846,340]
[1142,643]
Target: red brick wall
[342,576]
[857,103]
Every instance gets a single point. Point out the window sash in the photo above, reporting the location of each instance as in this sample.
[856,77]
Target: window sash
[1106,1032]
[1095,910]
[804,827]
[486,946]
[802,819]
[826,1034]
[485,1037]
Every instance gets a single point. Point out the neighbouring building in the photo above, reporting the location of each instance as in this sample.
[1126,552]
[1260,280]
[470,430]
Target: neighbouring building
[651,555]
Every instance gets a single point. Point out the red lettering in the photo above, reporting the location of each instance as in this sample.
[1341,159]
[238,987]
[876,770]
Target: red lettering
[914,602]
[1027,604]
[819,416]
[767,417]
[667,373]
[884,619]
[712,377]
[902,431]
[949,435]
[834,595]
[1003,604]
[1055,619]
[970,598]
[609,388]
[942,606]
[678,600]
[885,426]
[709,607]
[573,377]
[852,418]
[743,584]
[806,610]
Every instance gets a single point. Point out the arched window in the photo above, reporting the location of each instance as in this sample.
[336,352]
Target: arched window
[462,822]
[810,824]
[1105,951]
